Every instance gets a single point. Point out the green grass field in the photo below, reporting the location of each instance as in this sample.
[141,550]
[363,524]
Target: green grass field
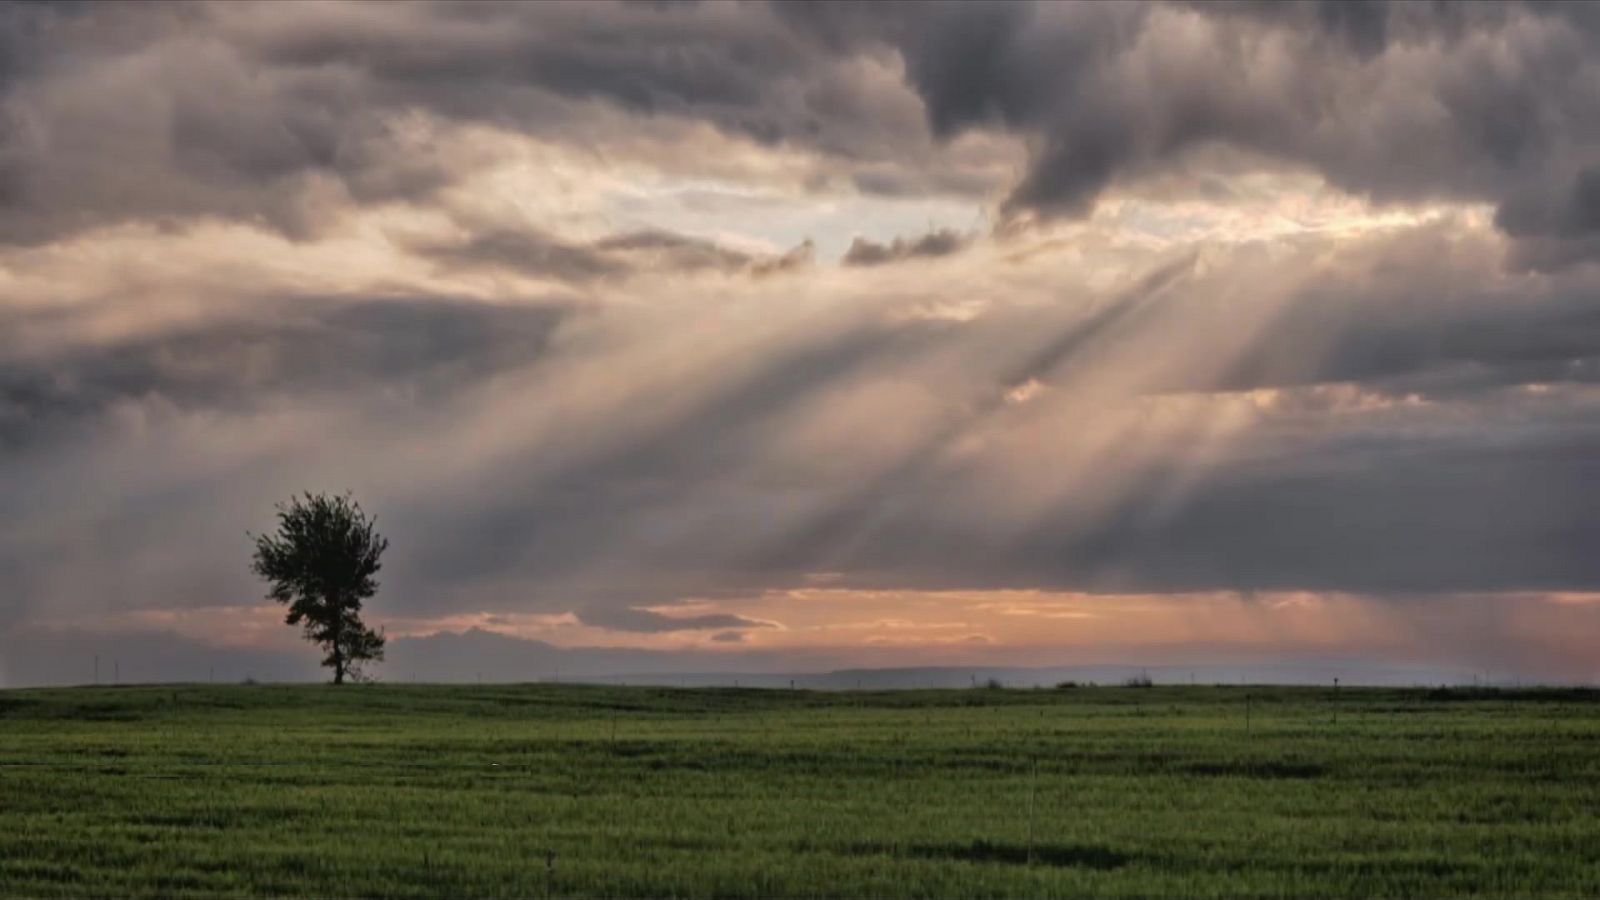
[557,790]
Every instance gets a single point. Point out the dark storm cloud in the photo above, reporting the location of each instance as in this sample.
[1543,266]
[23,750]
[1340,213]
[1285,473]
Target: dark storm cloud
[1379,512]
[287,347]
[1388,516]
[227,110]
[1557,226]
[167,112]
[116,114]
[1485,345]
[867,252]
[1410,323]
[651,58]
[1398,101]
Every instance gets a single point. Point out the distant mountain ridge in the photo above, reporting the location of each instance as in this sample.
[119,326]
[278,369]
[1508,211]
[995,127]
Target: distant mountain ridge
[488,656]
[60,657]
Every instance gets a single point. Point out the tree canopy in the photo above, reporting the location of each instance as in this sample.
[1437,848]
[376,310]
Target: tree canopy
[320,563]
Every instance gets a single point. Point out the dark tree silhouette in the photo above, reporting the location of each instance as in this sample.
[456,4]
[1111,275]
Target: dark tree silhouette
[320,563]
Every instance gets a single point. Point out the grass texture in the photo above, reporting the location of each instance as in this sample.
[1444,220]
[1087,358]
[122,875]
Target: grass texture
[567,790]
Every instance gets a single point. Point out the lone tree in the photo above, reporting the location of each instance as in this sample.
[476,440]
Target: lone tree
[320,563]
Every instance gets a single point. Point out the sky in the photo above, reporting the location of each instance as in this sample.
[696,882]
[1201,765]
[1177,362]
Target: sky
[765,338]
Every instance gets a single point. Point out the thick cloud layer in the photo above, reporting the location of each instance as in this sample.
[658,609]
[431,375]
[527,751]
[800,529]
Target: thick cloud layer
[257,112]
[627,319]
[1398,101]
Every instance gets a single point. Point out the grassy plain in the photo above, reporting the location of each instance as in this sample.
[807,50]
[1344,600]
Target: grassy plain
[561,790]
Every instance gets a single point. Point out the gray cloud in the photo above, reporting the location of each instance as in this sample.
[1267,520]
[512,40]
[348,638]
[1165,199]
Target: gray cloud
[1557,226]
[1489,101]
[795,258]
[239,111]
[285,347]
[236,112]
[1371,513]
[1424,316]
[529,252]
[666,250]
[192,111]
[866,252]
[117,115]
[535,253]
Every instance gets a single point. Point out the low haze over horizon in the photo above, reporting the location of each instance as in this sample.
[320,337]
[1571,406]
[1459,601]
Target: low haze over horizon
[772,338]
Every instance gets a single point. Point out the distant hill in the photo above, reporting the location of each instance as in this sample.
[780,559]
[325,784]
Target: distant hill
[68,657]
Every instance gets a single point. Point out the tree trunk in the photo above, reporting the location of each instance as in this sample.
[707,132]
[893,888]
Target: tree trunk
[338,640]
